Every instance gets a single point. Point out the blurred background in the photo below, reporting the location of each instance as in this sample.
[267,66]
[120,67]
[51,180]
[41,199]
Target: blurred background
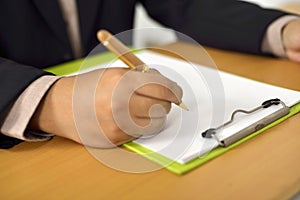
[167,36]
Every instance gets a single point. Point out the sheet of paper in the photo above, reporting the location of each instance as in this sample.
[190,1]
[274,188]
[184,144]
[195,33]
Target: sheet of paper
[211,96]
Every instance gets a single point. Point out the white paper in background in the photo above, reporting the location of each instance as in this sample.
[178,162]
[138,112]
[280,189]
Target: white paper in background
[211,97]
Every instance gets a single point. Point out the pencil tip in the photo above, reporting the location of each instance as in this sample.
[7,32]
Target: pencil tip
[182,105]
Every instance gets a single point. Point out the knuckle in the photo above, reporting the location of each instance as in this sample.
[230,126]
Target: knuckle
[167,107]
[144,105]
[117,75]
[154,71]
[114,74]
[163,91]
[176,91]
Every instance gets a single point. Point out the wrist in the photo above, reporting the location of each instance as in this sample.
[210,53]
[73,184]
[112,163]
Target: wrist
[54,114]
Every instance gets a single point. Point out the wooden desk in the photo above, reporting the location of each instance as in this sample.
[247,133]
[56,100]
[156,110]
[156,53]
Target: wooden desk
[266,167]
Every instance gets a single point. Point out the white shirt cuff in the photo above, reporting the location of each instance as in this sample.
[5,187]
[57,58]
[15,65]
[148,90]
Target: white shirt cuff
[272,42]
[20,113]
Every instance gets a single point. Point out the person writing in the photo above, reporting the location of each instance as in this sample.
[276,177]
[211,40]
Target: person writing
[37,34]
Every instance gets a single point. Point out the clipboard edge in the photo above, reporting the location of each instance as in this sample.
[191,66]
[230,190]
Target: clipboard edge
[181,169]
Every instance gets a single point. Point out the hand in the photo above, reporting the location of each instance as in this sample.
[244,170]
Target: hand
[106,107]
[291,40]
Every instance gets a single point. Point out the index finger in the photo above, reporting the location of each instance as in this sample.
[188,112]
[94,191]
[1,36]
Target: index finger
[159,87]
[161,92]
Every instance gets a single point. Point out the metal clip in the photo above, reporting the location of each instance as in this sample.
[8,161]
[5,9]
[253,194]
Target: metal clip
[211,133]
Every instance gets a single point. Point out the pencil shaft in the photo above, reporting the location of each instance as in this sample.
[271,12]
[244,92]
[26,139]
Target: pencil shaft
[120,50]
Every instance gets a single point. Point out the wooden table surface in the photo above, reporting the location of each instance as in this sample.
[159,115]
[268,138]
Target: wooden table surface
[265,167]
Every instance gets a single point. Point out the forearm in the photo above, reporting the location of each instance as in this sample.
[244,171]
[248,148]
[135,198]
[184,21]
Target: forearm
[19,114]
[230,24]
[15,78]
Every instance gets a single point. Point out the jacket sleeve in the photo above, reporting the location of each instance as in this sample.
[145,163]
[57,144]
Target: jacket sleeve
[14,78]
[227,24]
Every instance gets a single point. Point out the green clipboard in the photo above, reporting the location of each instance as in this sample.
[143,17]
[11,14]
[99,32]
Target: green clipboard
[80,64]
[175,167]
[179,168]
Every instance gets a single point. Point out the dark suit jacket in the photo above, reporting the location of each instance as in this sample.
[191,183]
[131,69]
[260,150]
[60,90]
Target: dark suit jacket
[33,33]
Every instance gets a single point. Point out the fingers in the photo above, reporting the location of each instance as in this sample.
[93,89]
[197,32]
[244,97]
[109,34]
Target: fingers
[115,135]
[143,116]
[128,103]
[145,107]
[151,84]
[157,86]
[144,126]
[171,94]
